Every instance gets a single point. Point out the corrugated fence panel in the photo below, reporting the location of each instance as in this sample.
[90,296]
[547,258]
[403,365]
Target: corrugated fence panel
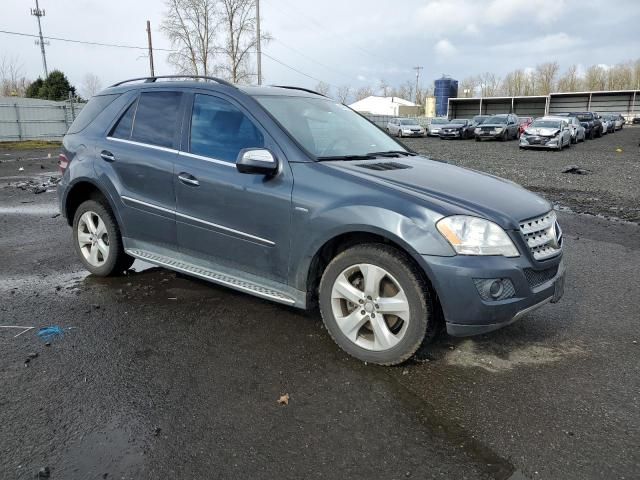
[31,119]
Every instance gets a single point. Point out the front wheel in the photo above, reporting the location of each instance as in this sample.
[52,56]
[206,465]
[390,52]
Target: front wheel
[375,304]
[97,240]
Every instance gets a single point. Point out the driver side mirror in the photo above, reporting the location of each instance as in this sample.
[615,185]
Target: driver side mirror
[258,161]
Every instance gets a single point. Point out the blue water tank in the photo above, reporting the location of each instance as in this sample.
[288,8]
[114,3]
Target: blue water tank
[445,88]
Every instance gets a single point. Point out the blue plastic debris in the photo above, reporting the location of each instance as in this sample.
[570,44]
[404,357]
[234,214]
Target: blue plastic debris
[49,333]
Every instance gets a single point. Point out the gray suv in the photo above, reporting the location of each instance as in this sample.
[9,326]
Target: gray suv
[282,193]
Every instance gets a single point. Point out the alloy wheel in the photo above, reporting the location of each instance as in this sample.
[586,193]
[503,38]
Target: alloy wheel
[370,307]
[93,239]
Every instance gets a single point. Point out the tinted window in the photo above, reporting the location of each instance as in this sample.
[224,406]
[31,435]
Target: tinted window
[156,118]
[220,130]
[123,127]
[91,111]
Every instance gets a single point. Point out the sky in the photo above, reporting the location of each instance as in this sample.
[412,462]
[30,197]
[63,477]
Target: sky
[342,42]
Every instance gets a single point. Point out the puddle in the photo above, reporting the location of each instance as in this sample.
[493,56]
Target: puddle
[29,209]
[469,353]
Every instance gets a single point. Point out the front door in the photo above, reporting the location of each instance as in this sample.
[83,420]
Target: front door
[224,217]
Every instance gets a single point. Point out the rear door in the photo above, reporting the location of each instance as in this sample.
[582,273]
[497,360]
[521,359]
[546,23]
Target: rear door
[138,155]
[234,220]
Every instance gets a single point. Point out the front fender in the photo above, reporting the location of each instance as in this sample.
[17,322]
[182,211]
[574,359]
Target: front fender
[415,236]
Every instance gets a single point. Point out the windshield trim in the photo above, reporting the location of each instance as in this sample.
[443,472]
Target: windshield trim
[311,156]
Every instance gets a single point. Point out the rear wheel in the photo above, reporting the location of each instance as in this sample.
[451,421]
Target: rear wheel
[97,240]
[375,304]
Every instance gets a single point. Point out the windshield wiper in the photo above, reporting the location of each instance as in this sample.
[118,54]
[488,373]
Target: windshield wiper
[393,153]
[347,157]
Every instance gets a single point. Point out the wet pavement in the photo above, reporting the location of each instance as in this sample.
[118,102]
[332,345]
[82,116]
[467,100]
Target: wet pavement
[157,375]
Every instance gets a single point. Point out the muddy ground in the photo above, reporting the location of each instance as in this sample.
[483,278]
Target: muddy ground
[158,375]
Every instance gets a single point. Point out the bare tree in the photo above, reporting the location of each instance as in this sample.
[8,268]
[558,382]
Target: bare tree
[342,93]
[91,85]
[239,39]
[191,27]
[570,81]
[468,86]
[489,84]
[620,77]
[323,88]
[12,81]
[546,74]
[363,92]
[384,88]
[595,78]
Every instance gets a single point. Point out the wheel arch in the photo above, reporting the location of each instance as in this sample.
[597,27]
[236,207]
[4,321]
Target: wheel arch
[85,189]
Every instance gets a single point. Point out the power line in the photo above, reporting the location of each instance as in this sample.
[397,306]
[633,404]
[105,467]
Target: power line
[295,69]
[84,42]
[312,59]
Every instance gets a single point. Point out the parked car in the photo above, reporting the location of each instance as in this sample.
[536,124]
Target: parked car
[611,123]
[435,125]
[577,130]
[218,181]
[405,127]
[458,128]
[635,121]
[479,119]
[619,121]
[523,123]
[498,127]
[547,132]
[590,122]
[606,127]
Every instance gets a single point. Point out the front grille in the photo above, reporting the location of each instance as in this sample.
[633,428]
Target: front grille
[543,236]
[538,277]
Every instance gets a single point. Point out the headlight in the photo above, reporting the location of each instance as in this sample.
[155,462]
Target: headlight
[498,129]
[406,130]
[476,236]
[477,130]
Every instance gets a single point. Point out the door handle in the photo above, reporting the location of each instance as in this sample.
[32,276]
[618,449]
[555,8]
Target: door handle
[188,179]
[107,155]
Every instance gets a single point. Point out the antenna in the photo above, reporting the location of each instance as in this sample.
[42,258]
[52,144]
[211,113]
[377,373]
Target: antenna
[36,12]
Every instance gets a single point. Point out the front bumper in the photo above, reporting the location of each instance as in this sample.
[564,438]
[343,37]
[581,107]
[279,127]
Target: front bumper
[454,134]
[489,135]
[413,134]
[466,313]
[533,141]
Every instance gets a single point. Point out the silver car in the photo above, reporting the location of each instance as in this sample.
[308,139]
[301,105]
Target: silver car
[436,125]
[547,132]
[578,132]
[405,127]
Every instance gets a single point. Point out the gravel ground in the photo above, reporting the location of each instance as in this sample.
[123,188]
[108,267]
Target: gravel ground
[611,189]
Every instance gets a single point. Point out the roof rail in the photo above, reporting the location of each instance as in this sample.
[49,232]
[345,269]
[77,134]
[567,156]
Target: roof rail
[289,87]
[153,79]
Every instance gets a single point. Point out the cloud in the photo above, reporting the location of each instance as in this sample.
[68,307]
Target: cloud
[444,48]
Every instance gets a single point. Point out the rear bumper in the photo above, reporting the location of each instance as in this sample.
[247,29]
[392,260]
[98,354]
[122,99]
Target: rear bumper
[466,313]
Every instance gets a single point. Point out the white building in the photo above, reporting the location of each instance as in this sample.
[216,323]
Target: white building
[394,106]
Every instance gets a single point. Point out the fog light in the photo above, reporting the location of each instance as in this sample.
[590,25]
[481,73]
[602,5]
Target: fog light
[493,289]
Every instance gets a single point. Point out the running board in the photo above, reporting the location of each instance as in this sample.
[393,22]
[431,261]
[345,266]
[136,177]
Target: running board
[212,276]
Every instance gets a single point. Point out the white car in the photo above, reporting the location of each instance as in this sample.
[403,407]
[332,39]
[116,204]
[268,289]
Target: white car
[405,127]
[578,132]
[606,124]
[547,132]
[436,125]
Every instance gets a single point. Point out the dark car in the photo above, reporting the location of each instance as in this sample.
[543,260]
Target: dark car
[458,128]
[498,127]
[285,194]
[635,121]
[591,123]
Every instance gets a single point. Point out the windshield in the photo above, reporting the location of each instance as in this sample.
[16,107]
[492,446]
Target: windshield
[459,120]
[439,121]
[408,121]
[480,119]
[326,128]
[546,124]
[496,119]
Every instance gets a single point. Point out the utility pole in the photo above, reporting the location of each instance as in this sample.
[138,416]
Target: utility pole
[36,12]
[150,49]
[417,69]
[258,47]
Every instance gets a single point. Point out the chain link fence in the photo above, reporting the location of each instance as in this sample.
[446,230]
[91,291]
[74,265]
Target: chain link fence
[34,119]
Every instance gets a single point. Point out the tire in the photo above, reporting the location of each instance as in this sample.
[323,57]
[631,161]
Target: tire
[110,258]
[505,136]
[391,272]
[399,134]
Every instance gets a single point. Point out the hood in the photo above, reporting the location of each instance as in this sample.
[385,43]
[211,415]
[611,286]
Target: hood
[450,190]
[544,132]
[410,126]
[493,125]
[453,125]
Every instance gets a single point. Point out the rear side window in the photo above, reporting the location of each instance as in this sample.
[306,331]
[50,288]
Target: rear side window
[220,130]
[156,118]
[91,111]
[123,127]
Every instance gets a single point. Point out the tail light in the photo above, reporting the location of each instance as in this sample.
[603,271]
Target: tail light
[63,163]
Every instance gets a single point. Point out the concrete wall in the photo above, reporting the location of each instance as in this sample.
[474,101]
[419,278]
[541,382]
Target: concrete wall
[626,102]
